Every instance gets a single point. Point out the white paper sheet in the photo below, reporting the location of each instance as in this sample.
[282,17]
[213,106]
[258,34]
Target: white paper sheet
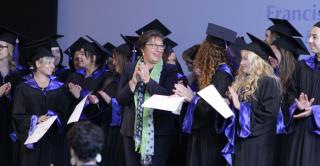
[75,116]
[40,130]
[211,95]
[166,103]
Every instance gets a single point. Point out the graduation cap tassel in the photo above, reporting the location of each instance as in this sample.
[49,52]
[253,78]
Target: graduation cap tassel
[15,56]
[234,64]
[15,53]
[134,54]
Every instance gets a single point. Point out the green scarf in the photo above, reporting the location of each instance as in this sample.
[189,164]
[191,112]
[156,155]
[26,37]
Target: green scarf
[143,128]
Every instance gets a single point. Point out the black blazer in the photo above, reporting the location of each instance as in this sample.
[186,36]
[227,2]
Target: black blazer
[163,120]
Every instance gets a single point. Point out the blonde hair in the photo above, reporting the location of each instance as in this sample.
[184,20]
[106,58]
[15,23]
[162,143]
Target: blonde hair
[246,84]
[12,63]
[43,60]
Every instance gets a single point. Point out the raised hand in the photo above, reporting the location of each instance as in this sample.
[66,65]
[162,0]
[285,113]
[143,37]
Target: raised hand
[183,91]
[43,118]
[234,97]
[8,88]
[74,89]
[105,96]
[3,89]
[143,72]
[93,99]
[134,80]
[303,101]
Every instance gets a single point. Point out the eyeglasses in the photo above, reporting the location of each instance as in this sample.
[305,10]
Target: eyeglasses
[1,47]
[152,45]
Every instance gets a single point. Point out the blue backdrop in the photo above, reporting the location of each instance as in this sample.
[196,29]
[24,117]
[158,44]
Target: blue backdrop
[187,19]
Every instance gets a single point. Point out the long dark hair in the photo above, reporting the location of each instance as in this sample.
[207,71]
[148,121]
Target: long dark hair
[286,67]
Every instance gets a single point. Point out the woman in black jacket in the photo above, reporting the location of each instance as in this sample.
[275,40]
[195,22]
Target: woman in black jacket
[147,133]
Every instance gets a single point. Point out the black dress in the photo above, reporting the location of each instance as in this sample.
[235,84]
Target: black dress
[29,101]
[113,150]
[256,131]
[164,124]
[8,139]
[62,73]
[92,83]
[304,139]
[205,144]
[91,112]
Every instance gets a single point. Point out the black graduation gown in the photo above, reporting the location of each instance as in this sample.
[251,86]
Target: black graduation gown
[281,147]
[178,152]
[31,100]
[304,146]
[62,73]
[113,150]
[205,144]
[164,125]
[258,148]
[282,143]
[92,83]
[7,157]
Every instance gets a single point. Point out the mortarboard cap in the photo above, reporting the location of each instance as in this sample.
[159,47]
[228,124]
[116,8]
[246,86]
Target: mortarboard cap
[302,49]
[36,53]
[154,25]
[98,49]
[235,48]
[317,24]
[291,44]
[124,49]
[76,45]
[220,35]
[283,27]
[170,44]
[132,41]
[46,42]
[109,46]
[9,35]
[259,47]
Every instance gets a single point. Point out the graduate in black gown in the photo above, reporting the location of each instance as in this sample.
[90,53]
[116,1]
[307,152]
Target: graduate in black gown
[61,71]
[255,98]
[9,79]
[36,100]
[50,42]
[205,143]
[147,134]
[74,53]
[188,56]
[109,46]
[280,27]
[89,78]
[113,150]
[287,50]
[303,100]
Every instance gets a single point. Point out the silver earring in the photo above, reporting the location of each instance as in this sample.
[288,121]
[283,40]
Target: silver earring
[72,161]
[98,158]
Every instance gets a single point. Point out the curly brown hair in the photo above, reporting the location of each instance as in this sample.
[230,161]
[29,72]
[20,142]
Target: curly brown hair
[207,59]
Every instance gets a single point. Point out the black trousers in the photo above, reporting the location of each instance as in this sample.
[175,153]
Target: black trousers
[162,147]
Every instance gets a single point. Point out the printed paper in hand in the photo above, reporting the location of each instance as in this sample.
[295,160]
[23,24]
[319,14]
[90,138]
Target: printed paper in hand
[40,130]
[166,103]
[211,95]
